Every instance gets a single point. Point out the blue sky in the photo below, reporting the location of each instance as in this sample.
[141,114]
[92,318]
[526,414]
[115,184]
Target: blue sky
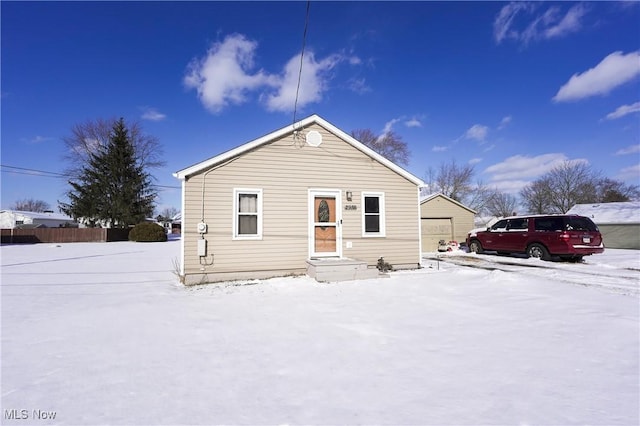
[512,88]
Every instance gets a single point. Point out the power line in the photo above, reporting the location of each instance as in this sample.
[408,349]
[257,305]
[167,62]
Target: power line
[304,42]
[26,171]
[44,173]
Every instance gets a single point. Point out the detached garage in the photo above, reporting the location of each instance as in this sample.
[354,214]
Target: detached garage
[443,218]
[619,223]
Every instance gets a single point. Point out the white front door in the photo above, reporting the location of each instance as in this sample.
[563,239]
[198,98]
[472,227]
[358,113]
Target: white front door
[325,230]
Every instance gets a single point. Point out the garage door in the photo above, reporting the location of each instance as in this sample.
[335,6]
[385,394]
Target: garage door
[434,230]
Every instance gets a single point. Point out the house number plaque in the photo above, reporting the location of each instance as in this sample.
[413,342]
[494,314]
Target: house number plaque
[351,207]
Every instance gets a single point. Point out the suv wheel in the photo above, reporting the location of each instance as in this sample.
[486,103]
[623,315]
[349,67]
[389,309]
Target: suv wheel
[475,247]
[538,251]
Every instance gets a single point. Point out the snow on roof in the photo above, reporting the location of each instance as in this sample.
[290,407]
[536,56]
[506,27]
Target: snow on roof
[40,215]
[609,213]
[428,197]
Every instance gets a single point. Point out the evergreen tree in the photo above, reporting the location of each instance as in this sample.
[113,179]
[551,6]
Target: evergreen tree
[112,187]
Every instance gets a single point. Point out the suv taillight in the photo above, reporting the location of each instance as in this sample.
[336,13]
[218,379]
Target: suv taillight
[564,236]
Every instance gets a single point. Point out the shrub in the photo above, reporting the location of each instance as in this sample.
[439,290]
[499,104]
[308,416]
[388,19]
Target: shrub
[147,232]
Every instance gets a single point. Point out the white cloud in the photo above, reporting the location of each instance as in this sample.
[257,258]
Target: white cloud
[510,186]
[439,148]
[313,82]
[504,122]
[516,172]
[477,132]
[520,167]
[631,174]
[354,60]
[568,24]
[550,23]
[152,114]
[223,76]
[389,126]
[613,71]
[475,160]
[413,122]
[502,26]
[39,139]
[226,76]
[623,110]
[632,149]
[358,86]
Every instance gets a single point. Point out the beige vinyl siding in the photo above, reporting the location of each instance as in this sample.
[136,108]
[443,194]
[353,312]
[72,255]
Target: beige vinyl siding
[622,235]
[435,213]
[434,230]
[285,170]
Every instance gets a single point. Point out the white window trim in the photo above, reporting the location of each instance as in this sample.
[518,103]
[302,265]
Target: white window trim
[236,194]
[382,233]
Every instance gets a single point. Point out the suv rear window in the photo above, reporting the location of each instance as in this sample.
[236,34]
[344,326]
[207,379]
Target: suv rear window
[581,224]
[548,224]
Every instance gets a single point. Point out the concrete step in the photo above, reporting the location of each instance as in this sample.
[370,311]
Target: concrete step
[335,269]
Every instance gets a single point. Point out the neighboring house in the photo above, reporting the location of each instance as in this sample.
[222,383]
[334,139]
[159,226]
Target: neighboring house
[443,218]
[11,219]
[619,223]
[176,224]
[486,221]
[305,195]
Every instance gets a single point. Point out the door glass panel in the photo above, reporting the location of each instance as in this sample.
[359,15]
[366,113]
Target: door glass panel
[325,239]
[325,231]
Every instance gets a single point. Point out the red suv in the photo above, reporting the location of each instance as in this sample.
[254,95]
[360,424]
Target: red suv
[568,236]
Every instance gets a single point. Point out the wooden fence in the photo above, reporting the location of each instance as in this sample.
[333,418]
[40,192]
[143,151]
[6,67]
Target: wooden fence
[62,235]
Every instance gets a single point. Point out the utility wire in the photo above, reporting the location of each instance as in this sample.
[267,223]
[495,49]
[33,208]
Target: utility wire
[44,173]
[32,171]
[304,42]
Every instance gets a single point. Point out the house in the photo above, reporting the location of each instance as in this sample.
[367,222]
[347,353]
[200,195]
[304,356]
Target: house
[307,198]
[619,223]
[11,219]
[176,223]
[443,218]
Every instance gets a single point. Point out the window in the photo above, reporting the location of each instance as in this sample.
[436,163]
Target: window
[500,226]
[518,224]
[247,221]
[373,214]
[548,224]
[581,224]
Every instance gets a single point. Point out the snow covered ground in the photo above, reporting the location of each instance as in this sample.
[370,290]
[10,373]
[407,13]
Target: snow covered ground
[103,334]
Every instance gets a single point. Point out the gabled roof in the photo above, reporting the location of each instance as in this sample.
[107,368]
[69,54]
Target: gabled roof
[609,213]
[313,119]
[439,194]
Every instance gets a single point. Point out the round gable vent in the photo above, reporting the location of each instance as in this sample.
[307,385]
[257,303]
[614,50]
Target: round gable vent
[314,138]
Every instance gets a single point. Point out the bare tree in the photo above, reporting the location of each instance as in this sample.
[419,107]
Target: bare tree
[502,204]
[88,137]
[31,205]
[390,145]
[168,213]
[572,183]
[455,182]
[610,191]
[536,197]
[564,186]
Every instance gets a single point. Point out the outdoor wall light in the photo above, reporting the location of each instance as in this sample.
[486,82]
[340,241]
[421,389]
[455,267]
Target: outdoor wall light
[349,195]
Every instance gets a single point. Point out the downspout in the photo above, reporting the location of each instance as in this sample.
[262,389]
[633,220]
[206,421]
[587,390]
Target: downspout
[419,231]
